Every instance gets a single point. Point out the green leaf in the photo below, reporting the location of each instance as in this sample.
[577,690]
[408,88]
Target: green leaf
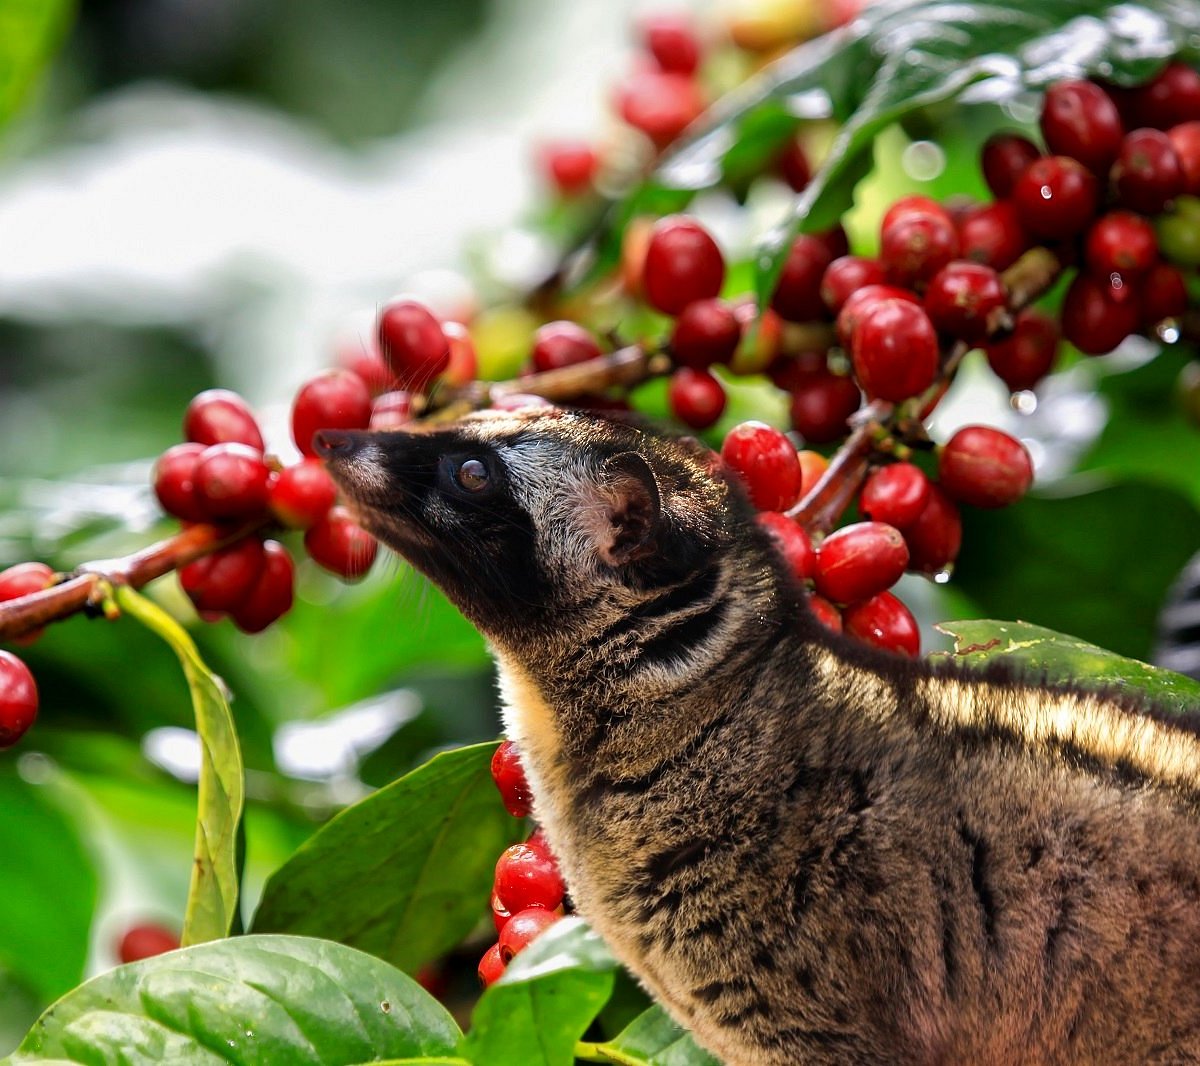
[654,1038]
[253,999]
[30,31]
[212,906]
[43,859]
[1045,655]
[405,873]
[545,1001]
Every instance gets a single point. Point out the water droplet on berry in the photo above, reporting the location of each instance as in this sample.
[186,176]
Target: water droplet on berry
[1024,402]
[942,577]
[1167,330]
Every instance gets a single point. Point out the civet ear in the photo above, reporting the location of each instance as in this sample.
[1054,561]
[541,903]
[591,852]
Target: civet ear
[632,509]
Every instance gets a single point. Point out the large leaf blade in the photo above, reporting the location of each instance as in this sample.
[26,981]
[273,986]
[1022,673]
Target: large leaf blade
[29,33]
[654,1038]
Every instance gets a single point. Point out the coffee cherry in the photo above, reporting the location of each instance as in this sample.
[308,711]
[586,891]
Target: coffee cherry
[413,345]
[357,349]
[794,166]
[559,344]
[792,542]
[509,776]
[341,545]
[907,206]
[1004,159]
[528,877]
[22,580]
[391,410]
[825,613]
[797,296]
[1093,320]
[706,332]
[1120,243]
[218,416]
[334,399]
[660,104]
[1185,139]
[984,467]
[696,397]
[301,494]
[1147,175]
[916,246]
[500,916]
[175,482]
[935,537]
[964,300]
[223,580]
[766,461]
[859,560]
[522,928]
[18,699]
[992,234]
[860,301]
[145,941]
[570,166]
[895,494]
[812,468]
[885,622]
[845,276]
[671,40]
[821,404]
[895,351]
[683,265]
[1079,119]
[270,597]
[464,360]
[1171,97]
[1164,294]
[1024,357]
[491,967]
[1056,197]
[231,481]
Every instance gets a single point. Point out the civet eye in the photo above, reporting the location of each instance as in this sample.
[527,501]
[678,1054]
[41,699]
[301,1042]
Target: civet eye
[472,475]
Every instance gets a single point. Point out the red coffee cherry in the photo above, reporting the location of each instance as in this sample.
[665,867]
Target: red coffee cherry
[570,166]
[860,301]
[413,345]
[222,581]
[500,916]
[270,597]
[885,622]
[491,966]
[934,538]
[695,397]
[792,541]
[859,560]
[18,699]
[509,776]
[21,580]
[1023,358]
[965,300]
[1185,139]
[916,246]
[1004,158]
[660,104]
[915,204]
[845,276]
[464,360]
[766,462]
[797,296]
[683,265]
[218,416]
[821,404]
[1164,294]
[1147,175]
[895,351]
[145,941]
[334,399]
[1171,97]
[522,928]
[231,481]
[341,545]
[794,166]
[1056,197]
[671,39]
[985,467]
[706,332]
[992,234]
[825,612]
[175,482]
[301,494]
[1093,320]
[895,494]
[528,877]
[559,344]
[1079,119]
[357,349]
[1120,243]
[391,410]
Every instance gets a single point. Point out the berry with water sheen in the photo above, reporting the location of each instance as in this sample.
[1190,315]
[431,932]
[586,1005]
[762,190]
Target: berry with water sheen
[1079,119]
[522,928]
[413,345]
[845,276]
[1056,197]
[271,596]
[895,494]
[964,300]
[895,351]
[1093,319]
[884,622]
[766,462]
[859,560]
[219,416]
[861,301]
[1027,354]
[301,494]
[683,264]
[984,467]
[231,481]
[491,966]
[334,399]
[527,877]
[509,777]
[1120,243]
[1147,175]
[175,482]
[695,397]
[340,545]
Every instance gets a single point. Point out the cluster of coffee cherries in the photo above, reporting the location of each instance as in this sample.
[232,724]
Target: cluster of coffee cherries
[528,894]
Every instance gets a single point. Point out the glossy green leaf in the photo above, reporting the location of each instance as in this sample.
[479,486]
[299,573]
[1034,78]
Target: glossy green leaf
[212,906]
[257,999]
[545,1001]
[655,1039]
[30,31]
[404,873]
[1044,655]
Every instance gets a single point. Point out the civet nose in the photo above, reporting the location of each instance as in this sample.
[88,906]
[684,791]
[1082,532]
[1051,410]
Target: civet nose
[335,443]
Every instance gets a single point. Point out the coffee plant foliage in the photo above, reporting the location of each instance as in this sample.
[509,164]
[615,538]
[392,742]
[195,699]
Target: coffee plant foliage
[324,915]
